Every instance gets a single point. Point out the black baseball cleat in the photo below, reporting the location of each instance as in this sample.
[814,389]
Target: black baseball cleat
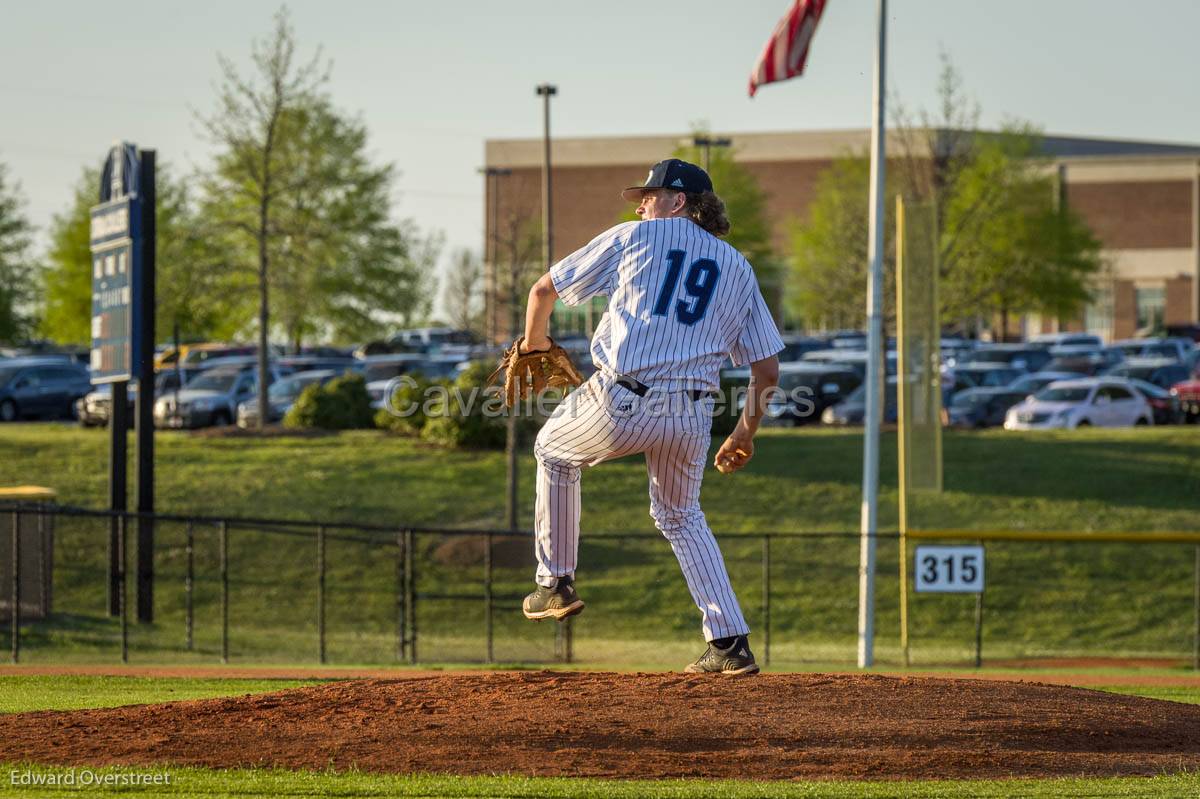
[735,658]
[553,603]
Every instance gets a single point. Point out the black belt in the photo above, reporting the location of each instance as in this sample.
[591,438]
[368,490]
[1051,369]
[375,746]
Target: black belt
[639,388]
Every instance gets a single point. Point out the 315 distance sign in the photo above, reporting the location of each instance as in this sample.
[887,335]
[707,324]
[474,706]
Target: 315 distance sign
[949,569]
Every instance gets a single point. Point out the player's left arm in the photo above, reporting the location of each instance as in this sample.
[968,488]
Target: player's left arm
[542,297]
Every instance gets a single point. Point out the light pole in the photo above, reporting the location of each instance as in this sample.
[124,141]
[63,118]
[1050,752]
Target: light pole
[707,143]
[546,91]
[492,175]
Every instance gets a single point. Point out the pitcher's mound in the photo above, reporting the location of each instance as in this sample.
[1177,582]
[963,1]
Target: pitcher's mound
[639,725]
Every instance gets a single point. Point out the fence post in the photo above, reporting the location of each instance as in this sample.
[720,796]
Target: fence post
[766,599]
[569,638]
[979,623]
[401,619]
[122,593]
[321,594]
[410,593]
[487,594]
[189,620]
[224,543]
[15,598]
[1196,614]
[43,564]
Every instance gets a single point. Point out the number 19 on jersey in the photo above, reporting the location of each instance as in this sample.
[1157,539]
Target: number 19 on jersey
[949,570]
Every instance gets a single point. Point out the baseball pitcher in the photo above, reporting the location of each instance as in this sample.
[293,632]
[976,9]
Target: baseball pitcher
[679,301]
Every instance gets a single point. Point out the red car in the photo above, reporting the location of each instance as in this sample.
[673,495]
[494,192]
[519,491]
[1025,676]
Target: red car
[1188,393]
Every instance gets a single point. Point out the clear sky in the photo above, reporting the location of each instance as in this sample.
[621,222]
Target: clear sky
[433,80]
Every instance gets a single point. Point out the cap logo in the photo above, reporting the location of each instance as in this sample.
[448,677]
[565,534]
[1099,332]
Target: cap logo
[677,182]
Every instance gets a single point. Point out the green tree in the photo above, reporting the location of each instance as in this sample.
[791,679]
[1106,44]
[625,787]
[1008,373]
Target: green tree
[67,278]
[829,250]
[297,204]
[16,267]
[1004,244]
[190,290]
[461,291]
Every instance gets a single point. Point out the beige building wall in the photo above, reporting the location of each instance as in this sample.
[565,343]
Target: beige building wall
[1142,206]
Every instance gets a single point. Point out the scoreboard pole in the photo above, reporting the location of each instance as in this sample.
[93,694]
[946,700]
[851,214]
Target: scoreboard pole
[121,239]
[118,459]
[145,397]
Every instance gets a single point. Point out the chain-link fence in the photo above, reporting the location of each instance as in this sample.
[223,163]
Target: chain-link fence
[260,590]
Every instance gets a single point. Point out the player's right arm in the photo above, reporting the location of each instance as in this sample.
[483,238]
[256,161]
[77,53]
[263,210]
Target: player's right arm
[738,448]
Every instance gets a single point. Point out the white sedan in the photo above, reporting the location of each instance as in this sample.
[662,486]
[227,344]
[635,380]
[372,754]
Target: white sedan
[1069,404]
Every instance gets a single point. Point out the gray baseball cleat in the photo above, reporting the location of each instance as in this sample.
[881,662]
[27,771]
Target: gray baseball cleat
[553,603]
[733,659]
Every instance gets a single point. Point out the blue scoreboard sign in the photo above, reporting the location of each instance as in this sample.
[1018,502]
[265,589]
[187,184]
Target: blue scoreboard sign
[116,242]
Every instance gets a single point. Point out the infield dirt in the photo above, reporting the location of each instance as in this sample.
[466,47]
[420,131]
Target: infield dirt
[776,726]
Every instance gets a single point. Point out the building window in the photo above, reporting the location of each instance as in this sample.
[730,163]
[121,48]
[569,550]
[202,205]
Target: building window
[1098,315]
[1151,305]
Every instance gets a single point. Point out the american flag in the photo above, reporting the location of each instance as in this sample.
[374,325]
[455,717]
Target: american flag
[787,49]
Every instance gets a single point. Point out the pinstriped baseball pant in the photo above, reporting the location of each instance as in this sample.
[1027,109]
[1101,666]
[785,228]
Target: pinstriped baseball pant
[601,421]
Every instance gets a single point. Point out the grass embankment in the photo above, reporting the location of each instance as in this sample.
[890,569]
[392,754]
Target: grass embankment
[1041,598]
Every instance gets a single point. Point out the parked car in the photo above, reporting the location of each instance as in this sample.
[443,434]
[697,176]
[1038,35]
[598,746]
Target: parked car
[853,409]
[282,395]
[1174,348]
[211,399]
[982,407]
[853,359]
[806,391]
[1087,367]
[987,375]
[1104,357]
[95,409]
[1034,382]
[794,347]
[1018,356]
[41,387]
[311,363]
[1188,394]
[1048,340]
[954,350]
[1162,372]
[1086,402]
[439,368]
[426,339]
[200,354]
[1166,406]
[385,367]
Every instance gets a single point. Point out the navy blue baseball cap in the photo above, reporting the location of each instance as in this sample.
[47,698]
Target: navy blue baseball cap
[672,174]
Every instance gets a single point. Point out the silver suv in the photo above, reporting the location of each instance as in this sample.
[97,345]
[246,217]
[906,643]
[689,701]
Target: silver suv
[211,398]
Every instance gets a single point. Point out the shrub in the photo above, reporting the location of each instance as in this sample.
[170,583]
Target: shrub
[340,404]
[456,416]
[407,397]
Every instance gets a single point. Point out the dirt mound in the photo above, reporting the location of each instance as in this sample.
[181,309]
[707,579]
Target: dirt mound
[639,725]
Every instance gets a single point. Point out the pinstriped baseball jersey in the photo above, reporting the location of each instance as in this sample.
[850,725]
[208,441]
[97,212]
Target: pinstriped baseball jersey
[680,300]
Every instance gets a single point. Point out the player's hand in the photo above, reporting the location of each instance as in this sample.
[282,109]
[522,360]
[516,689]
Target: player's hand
[735,453]
[532,345]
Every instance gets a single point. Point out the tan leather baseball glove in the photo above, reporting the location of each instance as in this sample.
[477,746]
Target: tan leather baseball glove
[527,373]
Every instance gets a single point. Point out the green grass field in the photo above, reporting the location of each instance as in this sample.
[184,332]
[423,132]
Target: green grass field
[38,693]
[1042,599]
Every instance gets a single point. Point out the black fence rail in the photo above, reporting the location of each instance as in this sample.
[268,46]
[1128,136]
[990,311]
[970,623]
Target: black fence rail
[257,589]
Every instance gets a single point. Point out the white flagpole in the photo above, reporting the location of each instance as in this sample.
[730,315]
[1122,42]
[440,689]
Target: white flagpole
[875,367]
